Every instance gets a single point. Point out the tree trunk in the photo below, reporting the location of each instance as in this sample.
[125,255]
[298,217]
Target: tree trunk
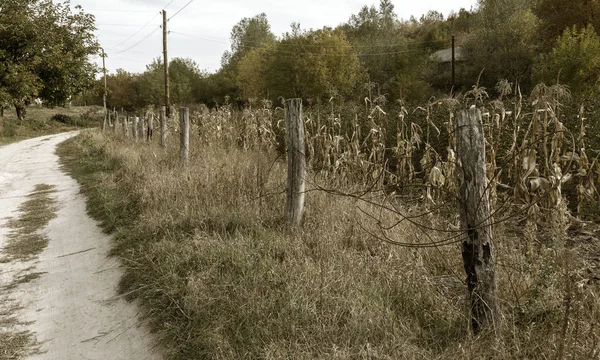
[475,217]
[21,111]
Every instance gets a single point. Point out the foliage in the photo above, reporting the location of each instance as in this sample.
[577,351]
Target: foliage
[184,77]
[44,50]
[503,44]
[556,16]
[316,64]
[574,61]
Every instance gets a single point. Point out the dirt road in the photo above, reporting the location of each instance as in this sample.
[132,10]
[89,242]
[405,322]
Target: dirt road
[64,296]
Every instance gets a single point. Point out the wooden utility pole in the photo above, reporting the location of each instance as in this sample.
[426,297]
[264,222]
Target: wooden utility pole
[103,55]
[453,65]
[475,215]
[296,176]
[166,64]
[184,118]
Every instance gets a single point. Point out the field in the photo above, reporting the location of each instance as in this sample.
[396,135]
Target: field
[45,121]
[220,275]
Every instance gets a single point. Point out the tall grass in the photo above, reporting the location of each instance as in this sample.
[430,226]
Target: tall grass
[220,277]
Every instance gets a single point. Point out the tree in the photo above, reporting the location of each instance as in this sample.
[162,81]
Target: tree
[122,90]
[44,50]
[246,35]
[504,42]
[184,75]
[315,64]
[574,61]
[558,15]
[253,71]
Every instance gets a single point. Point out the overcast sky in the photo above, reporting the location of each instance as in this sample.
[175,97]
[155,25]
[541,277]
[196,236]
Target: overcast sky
[131,45]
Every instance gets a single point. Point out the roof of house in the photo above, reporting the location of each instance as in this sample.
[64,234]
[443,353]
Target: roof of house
[445,55]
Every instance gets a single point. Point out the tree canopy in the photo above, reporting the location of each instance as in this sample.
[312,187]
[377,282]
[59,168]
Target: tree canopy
[44,52]
[378,53]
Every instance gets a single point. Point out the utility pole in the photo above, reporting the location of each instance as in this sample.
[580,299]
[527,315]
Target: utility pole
[166,64]
[104,95]
[453,63]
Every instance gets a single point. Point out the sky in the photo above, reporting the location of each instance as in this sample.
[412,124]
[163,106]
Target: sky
[129,30]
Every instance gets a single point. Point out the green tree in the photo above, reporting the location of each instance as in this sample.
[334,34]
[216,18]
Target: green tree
[44,51]
[253,71]
[246,35]
[122,90]
[504,42]
[558,15]
[574,61]
[184,75]
[315,65]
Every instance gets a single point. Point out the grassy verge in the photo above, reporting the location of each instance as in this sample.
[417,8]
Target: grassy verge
[219,277]
[43,121]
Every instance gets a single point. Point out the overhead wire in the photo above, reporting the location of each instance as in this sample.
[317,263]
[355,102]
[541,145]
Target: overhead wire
[139,42]
[305,53]
[143,27]
[226,41]
[180,10]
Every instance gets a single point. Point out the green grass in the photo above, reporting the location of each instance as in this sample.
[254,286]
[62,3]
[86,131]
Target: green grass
[220,277]
[43,121]
[24,241]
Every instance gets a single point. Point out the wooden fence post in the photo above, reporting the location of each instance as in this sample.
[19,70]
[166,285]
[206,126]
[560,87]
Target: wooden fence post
[296,181]
[141,128]
[475,214]
[150,126]
[115,123]
[134,127]
[184,118]
[163,126]
[125,126]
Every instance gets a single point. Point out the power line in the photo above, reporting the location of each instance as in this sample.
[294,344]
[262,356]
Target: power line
[211,39]
[139,42]
[144,26]
[180,10]
[131,25]
[306,53]
[118,10]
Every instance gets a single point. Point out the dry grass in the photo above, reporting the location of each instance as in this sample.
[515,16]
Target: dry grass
[220,277]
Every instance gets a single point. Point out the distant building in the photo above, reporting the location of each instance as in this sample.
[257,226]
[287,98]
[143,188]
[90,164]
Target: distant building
[445,55]
[440,74]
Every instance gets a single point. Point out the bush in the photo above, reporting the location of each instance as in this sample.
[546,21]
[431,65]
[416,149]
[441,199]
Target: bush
[63,119]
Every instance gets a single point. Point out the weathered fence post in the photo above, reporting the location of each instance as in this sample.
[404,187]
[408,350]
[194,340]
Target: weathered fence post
[141,128]
[475,214]
[134,127]
[125,126]
[296,181]
[184,118]
[163,126]
[115,123]
[150,126]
